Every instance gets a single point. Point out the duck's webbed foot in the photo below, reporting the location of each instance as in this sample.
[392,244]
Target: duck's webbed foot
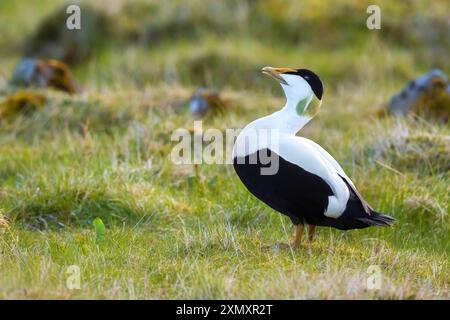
[294,245]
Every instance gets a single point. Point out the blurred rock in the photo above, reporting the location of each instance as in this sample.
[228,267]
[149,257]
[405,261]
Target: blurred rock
[21,102]
[3,222]
[427,96]
[52,39]
[45,73]
[205,101]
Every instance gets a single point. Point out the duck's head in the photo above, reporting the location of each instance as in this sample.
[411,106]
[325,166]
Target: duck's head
[300,86]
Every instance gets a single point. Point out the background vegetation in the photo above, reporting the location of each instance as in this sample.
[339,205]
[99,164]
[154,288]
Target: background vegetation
[177,232]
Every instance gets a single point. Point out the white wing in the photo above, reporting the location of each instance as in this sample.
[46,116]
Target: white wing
[328,158]
[340,171]
[301,152]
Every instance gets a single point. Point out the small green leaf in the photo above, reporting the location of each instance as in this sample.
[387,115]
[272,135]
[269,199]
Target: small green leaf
[100,229]
[212,182]
[192,180]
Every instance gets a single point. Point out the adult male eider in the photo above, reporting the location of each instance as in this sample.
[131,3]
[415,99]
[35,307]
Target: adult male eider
[307,185]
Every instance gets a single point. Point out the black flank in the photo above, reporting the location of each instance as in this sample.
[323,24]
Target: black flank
[301,195]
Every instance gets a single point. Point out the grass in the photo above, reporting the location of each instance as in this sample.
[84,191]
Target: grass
[178,232]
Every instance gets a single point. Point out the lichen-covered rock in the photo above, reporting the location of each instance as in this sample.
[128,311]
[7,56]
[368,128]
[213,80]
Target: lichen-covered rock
[3,221]
[427,96]
[204,101]
[43,74]
[53,40]
[21,102]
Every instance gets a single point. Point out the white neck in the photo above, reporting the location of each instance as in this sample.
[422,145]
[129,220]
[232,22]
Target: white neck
[285,121]
[288,121]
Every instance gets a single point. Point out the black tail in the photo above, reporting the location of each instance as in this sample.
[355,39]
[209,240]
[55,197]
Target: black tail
[378,219]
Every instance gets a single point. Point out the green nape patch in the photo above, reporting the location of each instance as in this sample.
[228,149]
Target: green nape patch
[301,105]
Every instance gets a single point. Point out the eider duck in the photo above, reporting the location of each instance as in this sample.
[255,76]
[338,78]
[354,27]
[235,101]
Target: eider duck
[294,175]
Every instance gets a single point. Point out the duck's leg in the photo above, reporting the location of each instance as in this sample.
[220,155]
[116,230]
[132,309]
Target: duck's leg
[298,235]
[294,245]
[311,230]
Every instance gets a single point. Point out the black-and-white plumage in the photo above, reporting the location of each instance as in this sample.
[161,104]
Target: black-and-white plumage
[309,185]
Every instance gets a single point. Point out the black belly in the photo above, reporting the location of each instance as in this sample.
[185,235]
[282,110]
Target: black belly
[295,192]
